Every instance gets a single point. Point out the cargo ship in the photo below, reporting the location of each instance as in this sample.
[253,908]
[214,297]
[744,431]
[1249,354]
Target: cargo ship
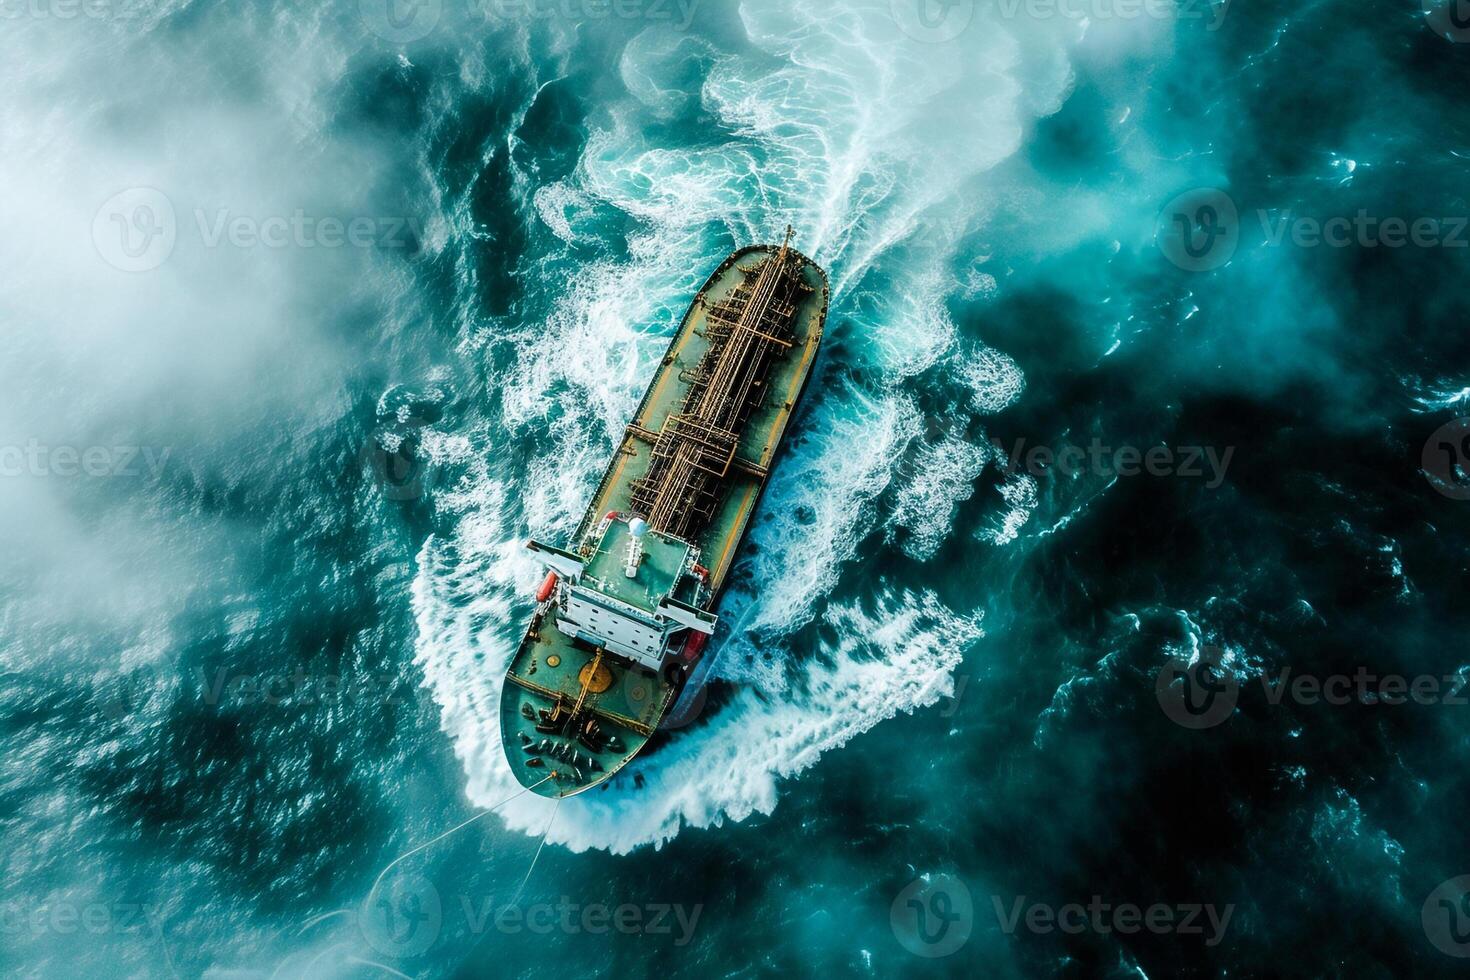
[618,644]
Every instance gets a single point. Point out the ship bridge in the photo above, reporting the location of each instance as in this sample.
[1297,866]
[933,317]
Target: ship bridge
[631,595]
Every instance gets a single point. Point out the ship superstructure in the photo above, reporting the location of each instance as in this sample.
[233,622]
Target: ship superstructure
[622,618]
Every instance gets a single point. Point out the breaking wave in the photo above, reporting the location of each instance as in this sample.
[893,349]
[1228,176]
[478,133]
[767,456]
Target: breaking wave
[829,120]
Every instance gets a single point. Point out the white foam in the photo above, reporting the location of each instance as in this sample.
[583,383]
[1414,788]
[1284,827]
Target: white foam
[654,66]
[995,381]
[559,204]
[876,148]
[898,657]
[1019,492]
[944,474]
[818,506]
[1436,395]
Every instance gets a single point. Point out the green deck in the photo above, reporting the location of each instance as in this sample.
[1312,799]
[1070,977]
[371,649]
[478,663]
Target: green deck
[663,560]
[633,698]
[549,663]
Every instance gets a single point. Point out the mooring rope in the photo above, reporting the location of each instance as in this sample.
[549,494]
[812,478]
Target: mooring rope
[389,867]
[532,868]
[407,854]
[554,807]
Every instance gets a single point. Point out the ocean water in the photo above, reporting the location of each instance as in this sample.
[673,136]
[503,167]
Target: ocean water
[312,314]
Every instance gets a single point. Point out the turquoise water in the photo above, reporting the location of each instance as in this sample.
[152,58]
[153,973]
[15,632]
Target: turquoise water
[312,314]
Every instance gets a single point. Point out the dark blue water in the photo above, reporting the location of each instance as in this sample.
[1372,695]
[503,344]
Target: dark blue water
[1138,406]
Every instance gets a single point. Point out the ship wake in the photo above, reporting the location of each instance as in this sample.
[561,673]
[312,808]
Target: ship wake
[880,150]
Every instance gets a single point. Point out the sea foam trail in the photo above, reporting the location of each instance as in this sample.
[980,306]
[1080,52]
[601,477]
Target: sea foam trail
[876,149]
[898,656]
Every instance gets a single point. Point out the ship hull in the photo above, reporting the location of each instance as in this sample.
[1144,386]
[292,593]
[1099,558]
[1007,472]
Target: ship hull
[630,702]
